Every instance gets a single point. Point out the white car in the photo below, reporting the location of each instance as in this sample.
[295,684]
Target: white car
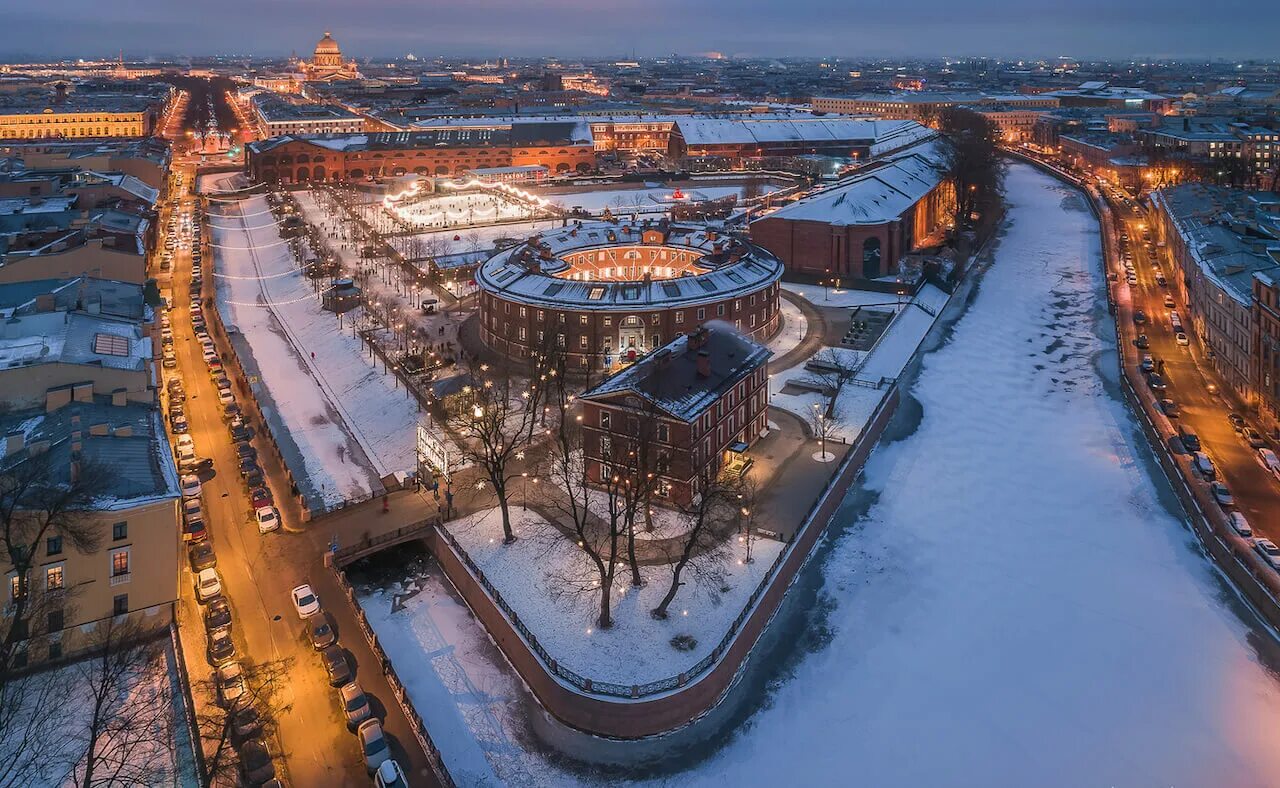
[1203,464]
[208,584]
[190,486]
[1181,339]
[225,396]
[305,601]
[1268,550]
[186,455]
[191,507]
[210,354]
[268,519]
[186,442]
[1239,524]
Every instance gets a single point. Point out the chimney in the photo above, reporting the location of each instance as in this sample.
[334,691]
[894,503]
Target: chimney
[14,442]
[82,392]
[119,398]
[76,445]
[98,429]
[704,364]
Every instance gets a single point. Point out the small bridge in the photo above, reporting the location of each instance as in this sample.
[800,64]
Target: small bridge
[374,544]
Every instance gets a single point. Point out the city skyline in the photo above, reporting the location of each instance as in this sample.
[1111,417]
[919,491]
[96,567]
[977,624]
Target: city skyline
[815,28]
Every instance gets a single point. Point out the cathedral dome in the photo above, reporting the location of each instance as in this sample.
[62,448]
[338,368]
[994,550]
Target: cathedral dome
[327,46]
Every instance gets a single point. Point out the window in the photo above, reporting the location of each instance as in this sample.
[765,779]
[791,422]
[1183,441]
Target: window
[702,314]
[53,545]
[559,340]
[719,310]
[54,577]
[582,320]
[608,321]
[679,317]
[119,563]
[120,605]
[119,531]
[605,419]
[55,648]
[15,588]
[582,341]
[57,621]
[523,312]
[522,332]
[664,433]
[656,319]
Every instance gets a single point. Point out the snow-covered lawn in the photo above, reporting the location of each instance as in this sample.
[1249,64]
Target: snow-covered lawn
[350,424]
[638,648]
[836,297]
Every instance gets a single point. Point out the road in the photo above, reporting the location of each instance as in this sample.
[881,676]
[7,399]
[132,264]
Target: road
[1189,374]
[258,572]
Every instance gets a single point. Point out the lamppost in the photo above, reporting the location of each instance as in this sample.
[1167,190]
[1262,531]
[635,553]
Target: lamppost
[822,432]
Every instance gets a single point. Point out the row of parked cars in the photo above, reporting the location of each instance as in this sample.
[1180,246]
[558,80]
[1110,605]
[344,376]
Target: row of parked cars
[359,716]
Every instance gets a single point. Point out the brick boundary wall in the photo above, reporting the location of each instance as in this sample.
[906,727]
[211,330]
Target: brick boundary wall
[1251,576]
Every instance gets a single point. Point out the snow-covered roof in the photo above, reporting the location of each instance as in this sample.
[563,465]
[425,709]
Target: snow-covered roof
[669,377]
[521,273]
[73,338]
[750,131]
[873,195]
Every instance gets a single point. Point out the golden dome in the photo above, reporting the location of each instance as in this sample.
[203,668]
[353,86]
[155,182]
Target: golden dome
[327,46]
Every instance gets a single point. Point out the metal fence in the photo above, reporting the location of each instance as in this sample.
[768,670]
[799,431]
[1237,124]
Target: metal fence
[416,724]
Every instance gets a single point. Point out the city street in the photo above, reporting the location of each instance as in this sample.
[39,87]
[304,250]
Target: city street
[258,572]
[1189,375]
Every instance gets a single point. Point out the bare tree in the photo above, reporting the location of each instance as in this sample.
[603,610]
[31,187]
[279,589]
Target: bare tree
[125,738]
[825,422]
[707,519]
[217,724]
[831,370]
[495,423]
[34,748]
[972,161]
[753,189]
[592,514]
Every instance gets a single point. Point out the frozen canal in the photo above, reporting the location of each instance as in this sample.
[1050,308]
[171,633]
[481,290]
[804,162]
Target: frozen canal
[1008,599]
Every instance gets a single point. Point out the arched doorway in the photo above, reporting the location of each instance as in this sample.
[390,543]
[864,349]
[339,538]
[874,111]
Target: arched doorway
[317,172]
[303,174]
[871,258]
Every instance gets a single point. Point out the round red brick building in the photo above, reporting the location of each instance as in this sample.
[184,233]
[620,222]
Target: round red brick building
[608,293]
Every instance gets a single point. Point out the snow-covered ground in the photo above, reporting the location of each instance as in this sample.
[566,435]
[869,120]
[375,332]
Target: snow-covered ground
[349,422]
[460,210]
[637,649]
[794,327]
[644,198]
[836,297]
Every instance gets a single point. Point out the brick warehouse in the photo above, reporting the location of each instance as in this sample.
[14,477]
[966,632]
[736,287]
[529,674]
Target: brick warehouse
[610,293]
[558,146]
[862,227]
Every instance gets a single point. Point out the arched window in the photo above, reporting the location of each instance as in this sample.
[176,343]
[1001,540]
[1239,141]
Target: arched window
[356,173]
[317,172]
[303,174]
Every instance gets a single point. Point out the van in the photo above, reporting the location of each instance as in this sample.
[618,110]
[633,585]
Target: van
[1190,440]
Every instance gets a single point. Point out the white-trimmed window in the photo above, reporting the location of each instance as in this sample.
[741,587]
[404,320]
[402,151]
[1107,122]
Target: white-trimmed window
[55,576]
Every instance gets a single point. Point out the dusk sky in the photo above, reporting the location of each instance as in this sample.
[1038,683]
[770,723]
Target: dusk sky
[380,28]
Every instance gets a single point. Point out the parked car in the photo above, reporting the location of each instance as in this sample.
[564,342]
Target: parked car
[1168,301]
[1160,280]
[1142,342]
[336,665]
[245,723]
[355,704]
[248,465]
[1139,316]
[221,648]
[194,531]
[217,615]
[1204,465]
[229,679]
[245,449]
[320,632]
[240,432]
[254,478]
[208,584]
[1156,382]
[1254,438]
[1169,408]
[178,423]
[268,519]
[1181,339]
[1221,494]
[305,602]
[185,442]
[1269,461]
[1237,421]
[1239,524]
[202,557]
[389,775]
[226,397]
[1269,552]
[190,486]
[1190,440]
[260,497]
[255,763]
[1148,363]
[373,742]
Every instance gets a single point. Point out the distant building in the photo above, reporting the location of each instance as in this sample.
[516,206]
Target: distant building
[327,64]
[277,117]
[1116,157]
[1103,94]
[861,227]
[78,116]
[82,354]
[559,146]
[698,403]
[924,107]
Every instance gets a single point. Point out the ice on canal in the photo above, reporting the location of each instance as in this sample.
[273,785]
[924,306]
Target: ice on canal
[1019,607]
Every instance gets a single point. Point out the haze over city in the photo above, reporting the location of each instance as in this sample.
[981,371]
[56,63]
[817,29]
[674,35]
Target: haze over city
[591,394]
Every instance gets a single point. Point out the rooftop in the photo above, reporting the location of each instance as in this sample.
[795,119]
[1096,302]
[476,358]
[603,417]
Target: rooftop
[669,378]
[73,338]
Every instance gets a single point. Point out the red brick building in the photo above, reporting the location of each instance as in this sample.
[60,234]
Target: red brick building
[698,403]
[861,227]
[560,147]
[610,293]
